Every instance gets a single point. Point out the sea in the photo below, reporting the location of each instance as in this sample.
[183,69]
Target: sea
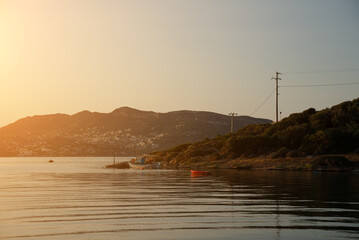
[78,198]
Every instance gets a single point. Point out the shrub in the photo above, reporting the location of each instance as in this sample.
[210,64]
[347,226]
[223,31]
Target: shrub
[282,152]
[294,153]
[328,162]
[273,155]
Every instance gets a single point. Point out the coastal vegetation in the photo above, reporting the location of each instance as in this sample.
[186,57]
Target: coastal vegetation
[331,131]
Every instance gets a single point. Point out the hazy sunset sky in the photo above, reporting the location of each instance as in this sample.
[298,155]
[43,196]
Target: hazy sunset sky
[65,56]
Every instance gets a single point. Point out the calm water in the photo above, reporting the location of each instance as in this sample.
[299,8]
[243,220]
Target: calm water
[76,198]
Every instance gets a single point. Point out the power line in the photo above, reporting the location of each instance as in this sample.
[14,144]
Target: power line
[325,71]
[320,85]
[305,85]
[263,102]
[265,91]
[264,94]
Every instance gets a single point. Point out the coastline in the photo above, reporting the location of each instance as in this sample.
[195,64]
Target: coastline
[308,163]
[342,163]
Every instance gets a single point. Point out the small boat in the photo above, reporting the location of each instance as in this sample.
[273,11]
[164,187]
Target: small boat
[51,161]
[194,172]
[141,164]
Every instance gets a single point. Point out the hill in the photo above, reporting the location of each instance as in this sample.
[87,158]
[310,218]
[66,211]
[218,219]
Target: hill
[122,132]
[333,130]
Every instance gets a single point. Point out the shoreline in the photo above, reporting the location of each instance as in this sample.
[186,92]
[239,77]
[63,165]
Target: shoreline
[308,163]
[338,163]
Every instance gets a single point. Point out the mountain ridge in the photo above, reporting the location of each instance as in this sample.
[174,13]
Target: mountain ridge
[124,131]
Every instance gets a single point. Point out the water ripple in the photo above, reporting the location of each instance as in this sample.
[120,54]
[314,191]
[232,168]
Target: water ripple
[106,204]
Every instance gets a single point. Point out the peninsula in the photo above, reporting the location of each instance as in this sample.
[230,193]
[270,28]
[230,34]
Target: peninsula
[311,140]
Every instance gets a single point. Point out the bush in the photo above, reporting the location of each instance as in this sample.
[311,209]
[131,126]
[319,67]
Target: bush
[294,153]
[199,152]
[330,162]
[215,156]
[179,148]
[282,152]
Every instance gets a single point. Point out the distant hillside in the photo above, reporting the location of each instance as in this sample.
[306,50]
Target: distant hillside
[123,131]
[330,131]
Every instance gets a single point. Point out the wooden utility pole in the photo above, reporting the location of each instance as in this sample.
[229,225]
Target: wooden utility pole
[232,119]
[114,155]
[276,94]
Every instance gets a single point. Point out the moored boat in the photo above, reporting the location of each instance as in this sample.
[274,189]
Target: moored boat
[141,164]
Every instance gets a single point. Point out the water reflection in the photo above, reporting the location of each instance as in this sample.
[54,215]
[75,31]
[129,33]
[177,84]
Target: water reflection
[304,200]
[85,202]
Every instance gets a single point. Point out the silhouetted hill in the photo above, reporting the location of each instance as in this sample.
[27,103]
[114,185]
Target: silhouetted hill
[330,131]
[124,131]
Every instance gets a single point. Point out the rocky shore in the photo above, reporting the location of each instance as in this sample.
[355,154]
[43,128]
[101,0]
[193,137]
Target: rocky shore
[308,163]
[347,162]
[121,165]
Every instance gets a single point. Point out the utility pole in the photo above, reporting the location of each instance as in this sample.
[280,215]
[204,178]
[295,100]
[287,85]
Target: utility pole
[276,94]
[114,155]
[232,118]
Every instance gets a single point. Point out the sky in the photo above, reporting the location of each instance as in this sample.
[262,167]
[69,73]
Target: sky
[166,55]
